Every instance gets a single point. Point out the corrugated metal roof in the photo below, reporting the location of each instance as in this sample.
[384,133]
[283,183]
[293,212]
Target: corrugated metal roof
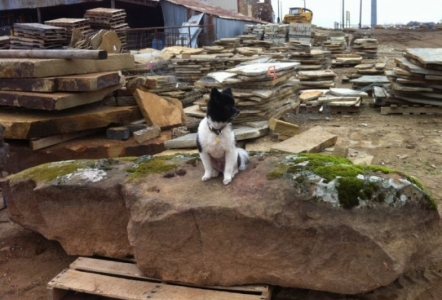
[214,10]
[19,4]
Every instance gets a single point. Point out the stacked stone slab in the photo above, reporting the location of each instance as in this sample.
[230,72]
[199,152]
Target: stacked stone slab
[261,90]
[109,19]
[37,36]
[277,33]
[367,48]
[315,59]
[82,25]
[4,42]
[60,98]
[316,79]
[417,77]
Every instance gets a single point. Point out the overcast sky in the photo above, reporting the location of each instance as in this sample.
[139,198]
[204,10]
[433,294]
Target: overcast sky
[326,12]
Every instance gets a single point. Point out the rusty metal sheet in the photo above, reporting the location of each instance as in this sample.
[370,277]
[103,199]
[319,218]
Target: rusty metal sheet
[14,4]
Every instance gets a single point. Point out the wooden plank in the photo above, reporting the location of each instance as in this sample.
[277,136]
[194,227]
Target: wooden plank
[130,289]
[27,124]
[37,144]
[128,269]
[26,68]
[53,101]
[70,83]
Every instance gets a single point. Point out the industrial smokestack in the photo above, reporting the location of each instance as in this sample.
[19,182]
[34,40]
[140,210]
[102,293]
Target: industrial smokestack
[374,13]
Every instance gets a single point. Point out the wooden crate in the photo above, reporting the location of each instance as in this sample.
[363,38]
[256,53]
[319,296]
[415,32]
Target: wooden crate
[91,278]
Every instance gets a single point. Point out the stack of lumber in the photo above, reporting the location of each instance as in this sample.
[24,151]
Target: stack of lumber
[416,78]
[82,25]
[110,19]
[336,45]
[367,48]
[310,60]
[277,33]
[36,35]
[334,100]
[196,66]
[4,42]
[54,99]
[316,79]
[261,90]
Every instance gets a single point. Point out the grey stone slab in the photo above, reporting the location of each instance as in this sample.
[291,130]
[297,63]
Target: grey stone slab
[426,55]
[413,68]
[371,79]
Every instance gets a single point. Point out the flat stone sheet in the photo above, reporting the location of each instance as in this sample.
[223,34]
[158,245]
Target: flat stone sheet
[426,55]
[371,79]
[414,69]
[262,68]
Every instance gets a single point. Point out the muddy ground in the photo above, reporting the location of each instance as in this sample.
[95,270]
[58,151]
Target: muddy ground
[410,143]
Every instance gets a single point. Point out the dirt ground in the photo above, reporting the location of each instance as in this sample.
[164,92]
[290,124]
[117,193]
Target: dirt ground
[410,143]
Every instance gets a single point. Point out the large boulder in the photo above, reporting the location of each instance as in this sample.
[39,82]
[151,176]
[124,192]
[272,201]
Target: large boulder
[306,221]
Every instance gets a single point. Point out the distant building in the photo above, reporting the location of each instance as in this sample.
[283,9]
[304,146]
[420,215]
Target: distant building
[259,9]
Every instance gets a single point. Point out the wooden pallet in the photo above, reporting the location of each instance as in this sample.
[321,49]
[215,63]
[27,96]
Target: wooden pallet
[90,278]
[411,110]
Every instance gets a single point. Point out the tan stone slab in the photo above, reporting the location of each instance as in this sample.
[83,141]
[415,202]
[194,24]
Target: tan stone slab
[310,95]
[284,128]
[313,140]
[413,68]
[53,101]
[27,124]
[26,68]
[70,83]
[159,111]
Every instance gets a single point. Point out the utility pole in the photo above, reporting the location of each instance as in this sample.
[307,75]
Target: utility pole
[360,14]
[278,19]
[342,24]
[304,3]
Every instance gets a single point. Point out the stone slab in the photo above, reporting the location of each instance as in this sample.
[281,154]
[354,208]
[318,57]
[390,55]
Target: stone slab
[70,83]
[27,124]
[313,140]
[146,134]
[163,112]
[53,101]
[426,56]
[28,68]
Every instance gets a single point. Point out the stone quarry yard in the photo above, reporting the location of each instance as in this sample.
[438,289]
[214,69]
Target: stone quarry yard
[409,143]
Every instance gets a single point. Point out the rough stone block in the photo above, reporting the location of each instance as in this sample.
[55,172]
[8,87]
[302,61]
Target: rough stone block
[283,128]
[313,140]
[341,148]
[147,133]
[118,133]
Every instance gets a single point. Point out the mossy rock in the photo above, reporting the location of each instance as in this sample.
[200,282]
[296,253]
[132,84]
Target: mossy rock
[354,184]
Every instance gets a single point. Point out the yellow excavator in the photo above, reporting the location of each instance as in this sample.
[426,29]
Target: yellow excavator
[298,15]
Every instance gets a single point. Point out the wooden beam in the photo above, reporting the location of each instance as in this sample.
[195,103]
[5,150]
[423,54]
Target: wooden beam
[54,54]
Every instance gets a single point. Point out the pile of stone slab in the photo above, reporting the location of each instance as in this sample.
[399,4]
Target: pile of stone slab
[314,59]
[4,42]
[261,90]
[71,24]
[368,69]
[277,33]
[109,19]
[336,45]
[333,100]
[415,82]
[256,30]
[190,68]
[37,36]
[367,48]
[228,43]
[346,60]
[165,86]
[317,79]
[48,101]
